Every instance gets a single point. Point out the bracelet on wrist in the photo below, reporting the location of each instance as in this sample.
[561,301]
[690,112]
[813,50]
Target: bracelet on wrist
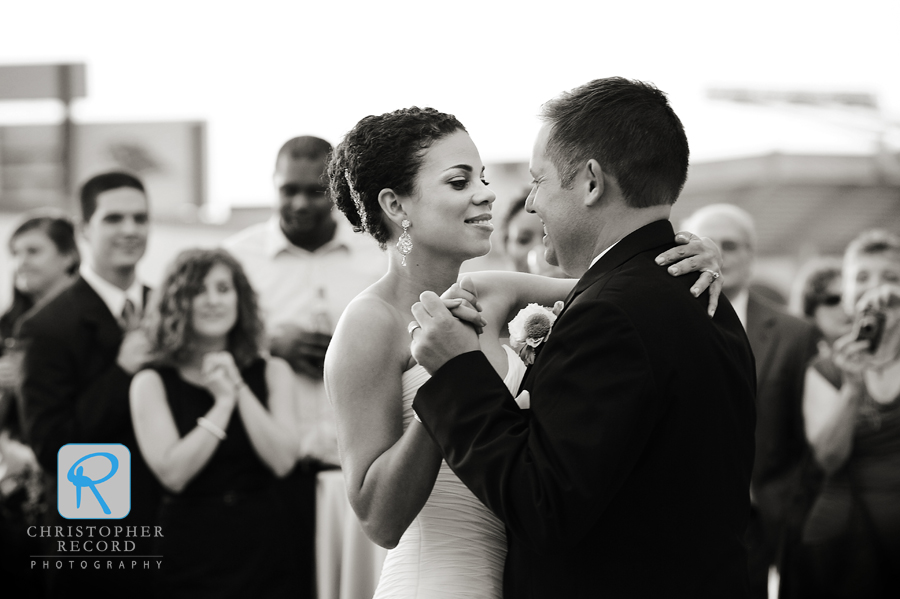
[212,428]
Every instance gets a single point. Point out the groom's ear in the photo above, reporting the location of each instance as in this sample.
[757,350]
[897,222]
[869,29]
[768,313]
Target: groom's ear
[391,205]
[593,181]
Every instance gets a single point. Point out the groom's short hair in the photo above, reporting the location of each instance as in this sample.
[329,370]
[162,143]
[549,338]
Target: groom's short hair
[629,128]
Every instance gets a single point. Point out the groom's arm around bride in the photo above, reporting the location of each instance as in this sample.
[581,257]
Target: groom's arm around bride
[629,475]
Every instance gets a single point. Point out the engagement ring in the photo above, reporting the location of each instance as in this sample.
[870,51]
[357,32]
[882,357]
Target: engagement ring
[715,274]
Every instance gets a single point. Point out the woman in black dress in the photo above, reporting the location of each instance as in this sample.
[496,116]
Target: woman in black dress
[213,420]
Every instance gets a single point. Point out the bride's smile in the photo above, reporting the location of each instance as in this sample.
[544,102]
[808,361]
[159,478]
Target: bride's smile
[482,221]
[451,213]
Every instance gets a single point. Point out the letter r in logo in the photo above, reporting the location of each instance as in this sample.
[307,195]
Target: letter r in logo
[103,469]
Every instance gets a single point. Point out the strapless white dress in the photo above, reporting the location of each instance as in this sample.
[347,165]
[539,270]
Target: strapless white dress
[455,547]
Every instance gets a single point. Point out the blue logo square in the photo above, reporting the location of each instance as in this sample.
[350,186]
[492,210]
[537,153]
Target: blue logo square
[93,481]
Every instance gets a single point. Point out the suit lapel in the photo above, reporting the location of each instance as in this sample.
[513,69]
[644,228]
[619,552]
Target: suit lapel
[657,234]
[95,314]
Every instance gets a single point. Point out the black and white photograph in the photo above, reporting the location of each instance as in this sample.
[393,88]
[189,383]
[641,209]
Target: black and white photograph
[475,300]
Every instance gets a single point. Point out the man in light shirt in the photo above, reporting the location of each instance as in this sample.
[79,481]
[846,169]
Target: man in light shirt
[81,350]
[782,346]
[306,264]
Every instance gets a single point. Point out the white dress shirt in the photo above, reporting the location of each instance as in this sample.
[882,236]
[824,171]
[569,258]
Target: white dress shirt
[297,287]
[739,303]
[603,253]
[113,296]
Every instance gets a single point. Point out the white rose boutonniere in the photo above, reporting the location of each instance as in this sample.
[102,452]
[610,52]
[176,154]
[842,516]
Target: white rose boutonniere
[530,328]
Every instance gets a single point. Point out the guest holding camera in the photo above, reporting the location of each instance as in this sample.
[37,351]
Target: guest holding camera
[852,417]
[213,420]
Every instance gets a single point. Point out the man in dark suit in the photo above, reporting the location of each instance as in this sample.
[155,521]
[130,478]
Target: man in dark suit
[82,349]
[783,472]
[629,475]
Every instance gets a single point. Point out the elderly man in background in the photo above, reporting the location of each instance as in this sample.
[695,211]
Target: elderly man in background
[783,345]
[307,265]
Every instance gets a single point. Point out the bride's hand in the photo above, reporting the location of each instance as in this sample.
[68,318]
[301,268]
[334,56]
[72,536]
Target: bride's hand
[462,301]
[695,254]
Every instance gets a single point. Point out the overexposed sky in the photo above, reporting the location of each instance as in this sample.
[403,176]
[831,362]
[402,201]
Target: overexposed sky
[261,72]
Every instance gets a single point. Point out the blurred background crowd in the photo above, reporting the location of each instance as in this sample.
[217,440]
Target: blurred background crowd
[176,188]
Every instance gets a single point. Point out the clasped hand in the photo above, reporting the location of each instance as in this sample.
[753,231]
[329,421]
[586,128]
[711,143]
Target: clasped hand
[134,352]
[449,325]
[220,375]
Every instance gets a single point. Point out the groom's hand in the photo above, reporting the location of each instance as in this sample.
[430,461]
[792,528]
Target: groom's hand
[441,336]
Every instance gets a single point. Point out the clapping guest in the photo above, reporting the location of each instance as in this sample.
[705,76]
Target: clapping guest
[81,350]
[45,261]
[213,420]
[851,408]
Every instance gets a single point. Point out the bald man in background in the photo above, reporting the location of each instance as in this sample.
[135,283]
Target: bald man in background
[783,346]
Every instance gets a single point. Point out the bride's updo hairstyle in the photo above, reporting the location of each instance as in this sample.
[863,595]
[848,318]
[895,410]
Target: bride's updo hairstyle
[383,152]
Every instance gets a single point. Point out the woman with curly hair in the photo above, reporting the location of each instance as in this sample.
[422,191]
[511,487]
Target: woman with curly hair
[212,419]
[414,179]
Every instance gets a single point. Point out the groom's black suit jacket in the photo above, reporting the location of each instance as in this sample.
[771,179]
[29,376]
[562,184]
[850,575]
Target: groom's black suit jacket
[629,476]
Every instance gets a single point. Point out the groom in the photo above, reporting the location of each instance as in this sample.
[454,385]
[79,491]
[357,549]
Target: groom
[629,475]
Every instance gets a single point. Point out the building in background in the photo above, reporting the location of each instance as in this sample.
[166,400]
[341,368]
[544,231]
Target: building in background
[803,205]
[169,157]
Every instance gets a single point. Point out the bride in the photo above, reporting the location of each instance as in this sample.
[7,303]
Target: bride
[413,179]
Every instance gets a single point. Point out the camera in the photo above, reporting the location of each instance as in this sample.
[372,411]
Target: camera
[869,326]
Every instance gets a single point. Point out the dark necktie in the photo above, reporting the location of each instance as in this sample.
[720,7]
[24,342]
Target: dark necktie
[131,318]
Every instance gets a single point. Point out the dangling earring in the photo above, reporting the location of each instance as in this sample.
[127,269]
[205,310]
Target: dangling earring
[404,244]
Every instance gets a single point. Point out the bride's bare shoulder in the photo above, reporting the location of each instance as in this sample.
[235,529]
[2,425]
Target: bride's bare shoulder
[368,312]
